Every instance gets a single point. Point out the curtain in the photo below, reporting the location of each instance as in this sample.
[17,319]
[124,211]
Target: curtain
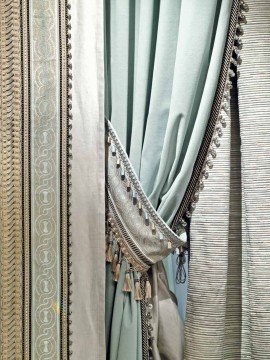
[228,297]
[162,60]
[88,181]
[158,97]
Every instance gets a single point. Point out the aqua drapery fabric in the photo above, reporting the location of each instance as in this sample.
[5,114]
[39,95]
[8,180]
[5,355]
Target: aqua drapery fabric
[162,65]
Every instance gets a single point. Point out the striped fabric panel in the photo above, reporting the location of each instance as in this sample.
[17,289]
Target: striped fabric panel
[213,326]
[232,340]
[207,292]
[254,110]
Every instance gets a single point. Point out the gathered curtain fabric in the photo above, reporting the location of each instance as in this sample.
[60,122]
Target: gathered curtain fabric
[163,60]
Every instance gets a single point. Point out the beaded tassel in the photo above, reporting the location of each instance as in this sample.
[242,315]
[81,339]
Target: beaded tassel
[138,291]
[117,272]
[117,268]
[127,282]
[115,261]
[148,289]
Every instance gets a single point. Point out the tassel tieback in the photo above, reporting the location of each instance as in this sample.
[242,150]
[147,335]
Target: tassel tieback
[115,261]
[127,282]
[138,291]
[109,252]
[148,290]
[117,272]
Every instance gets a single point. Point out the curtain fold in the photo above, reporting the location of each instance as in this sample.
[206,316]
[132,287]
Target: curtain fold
[159,97]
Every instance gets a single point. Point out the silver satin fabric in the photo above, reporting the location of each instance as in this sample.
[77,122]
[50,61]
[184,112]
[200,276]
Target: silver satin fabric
[88,182]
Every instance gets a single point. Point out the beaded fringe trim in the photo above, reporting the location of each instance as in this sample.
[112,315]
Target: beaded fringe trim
[69,109]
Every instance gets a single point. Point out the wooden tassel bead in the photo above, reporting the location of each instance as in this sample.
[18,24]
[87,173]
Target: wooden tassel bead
[109,252]
[138,291]
[148,290]
[127,282]
[117,272]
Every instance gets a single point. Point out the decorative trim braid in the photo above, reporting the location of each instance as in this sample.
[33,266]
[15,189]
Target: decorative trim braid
[66,156]
[26,181]
[10,182]
[207,152]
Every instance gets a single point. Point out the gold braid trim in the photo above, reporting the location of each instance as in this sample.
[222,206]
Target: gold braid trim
[10,182]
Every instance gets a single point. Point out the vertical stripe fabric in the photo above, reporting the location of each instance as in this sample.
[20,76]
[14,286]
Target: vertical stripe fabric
[229,278]
[34,182]
[213,323]
[254,109]
[207,288]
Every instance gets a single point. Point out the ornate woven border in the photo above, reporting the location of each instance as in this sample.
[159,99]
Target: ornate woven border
[10,182]
[62,32]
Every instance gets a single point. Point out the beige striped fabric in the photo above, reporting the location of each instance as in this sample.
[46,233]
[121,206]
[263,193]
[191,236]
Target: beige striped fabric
[254,109]
[228,308]
[213,324]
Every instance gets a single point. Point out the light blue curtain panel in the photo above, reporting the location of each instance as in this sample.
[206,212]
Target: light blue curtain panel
[163,60]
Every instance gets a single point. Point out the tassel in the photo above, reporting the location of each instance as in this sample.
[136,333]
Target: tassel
[181,275]
[127,283]
[109,252]
[148,290]
[117,272]
[115,261]
[138,291]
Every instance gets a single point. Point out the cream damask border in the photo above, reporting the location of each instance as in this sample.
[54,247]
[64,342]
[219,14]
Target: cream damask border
[10,182]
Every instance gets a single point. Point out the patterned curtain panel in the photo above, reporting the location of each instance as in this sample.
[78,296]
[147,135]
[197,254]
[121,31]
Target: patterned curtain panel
[35,116]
